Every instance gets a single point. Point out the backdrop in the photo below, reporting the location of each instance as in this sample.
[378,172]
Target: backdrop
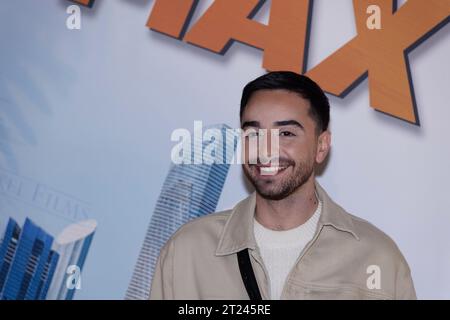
[86,118]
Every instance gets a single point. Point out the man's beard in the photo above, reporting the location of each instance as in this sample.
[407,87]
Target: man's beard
[278,188]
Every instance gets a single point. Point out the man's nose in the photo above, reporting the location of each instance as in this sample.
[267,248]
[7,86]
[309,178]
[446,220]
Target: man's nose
[268,146]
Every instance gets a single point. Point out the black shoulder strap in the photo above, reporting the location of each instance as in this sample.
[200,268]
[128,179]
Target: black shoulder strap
[248,276]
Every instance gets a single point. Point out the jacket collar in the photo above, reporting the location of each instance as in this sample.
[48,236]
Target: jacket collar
[238,231]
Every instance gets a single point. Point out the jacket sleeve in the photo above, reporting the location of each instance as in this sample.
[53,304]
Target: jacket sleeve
[404,284]
[162,283]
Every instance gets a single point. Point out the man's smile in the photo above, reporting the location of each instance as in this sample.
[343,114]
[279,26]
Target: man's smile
[270,170]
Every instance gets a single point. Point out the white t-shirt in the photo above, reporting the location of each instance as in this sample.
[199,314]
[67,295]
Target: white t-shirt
[281,249]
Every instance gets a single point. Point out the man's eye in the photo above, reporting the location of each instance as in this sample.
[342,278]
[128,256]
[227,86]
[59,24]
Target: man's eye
[286,134]
[251,134]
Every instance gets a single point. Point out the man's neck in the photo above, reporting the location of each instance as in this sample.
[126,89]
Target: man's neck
[289,212]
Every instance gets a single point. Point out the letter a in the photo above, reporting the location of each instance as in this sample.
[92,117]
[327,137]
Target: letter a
[284,39]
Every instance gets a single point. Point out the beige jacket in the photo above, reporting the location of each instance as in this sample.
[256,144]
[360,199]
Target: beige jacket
[348,258]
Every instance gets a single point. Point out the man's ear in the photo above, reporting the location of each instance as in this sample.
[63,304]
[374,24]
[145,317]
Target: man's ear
[323,146]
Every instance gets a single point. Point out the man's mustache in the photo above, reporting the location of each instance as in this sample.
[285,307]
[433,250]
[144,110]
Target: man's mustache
[281,162]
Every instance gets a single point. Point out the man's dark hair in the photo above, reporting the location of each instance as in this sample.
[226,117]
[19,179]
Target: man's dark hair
[291,81]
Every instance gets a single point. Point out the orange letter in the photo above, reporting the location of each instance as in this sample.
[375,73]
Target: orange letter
[171,17]
[383,54]
[283,40]
[87,3]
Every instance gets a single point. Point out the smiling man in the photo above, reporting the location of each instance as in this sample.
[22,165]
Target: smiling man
[287,240]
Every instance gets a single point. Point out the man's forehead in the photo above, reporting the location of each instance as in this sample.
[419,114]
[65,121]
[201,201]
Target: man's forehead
[269,102]
[277,94]
[275,113]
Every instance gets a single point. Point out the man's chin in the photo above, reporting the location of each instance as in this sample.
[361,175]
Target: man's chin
[272,194]
[273,197]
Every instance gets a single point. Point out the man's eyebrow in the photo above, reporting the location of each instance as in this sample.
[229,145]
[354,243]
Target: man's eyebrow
[250,124]
[288,123]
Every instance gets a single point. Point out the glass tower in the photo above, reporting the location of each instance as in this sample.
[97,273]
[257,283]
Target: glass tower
[72,244]
[189,191]
[27,262]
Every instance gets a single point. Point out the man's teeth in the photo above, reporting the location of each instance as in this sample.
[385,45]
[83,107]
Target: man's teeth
[270,170]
